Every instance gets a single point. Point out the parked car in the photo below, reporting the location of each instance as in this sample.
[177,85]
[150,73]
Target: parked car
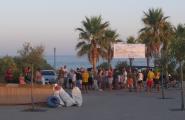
[50,76]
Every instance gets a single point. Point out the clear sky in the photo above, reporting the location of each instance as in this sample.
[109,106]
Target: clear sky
[52,23]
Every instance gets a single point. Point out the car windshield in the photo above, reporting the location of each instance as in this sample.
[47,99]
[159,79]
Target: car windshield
[48,73]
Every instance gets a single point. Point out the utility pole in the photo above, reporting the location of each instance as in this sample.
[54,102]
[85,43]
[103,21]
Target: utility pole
[182,93]
[54,65]
[162,73]
[32,100]
[162,80]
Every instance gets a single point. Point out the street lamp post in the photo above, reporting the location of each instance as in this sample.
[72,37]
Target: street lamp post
[162,74]
[54,58]
[182,93]
[32,99]
[162,80]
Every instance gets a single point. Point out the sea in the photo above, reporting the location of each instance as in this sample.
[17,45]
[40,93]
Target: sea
[73,61]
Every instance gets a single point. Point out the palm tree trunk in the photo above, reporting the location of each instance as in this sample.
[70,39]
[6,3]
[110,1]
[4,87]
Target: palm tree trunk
[109,61]
[94,56]
[131,61]
[182,93]
[148,62]
[166,73]
[109,58]
[166,66]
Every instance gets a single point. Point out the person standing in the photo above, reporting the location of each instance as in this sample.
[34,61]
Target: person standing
[124,76]
[85,77]
[149,82]
[110,78]
[100,78]
[38,77]
[66,82]
[61,76]
[73,78]
[130,80]
[21,80]
[27,74]
[70,77]
[157,80]
[140,81]
[9,75]
[91,79]
[78,78]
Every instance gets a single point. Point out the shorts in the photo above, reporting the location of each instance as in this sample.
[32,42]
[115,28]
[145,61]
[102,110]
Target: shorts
[85,83]
[149,83]
[156,81]
[140,82]
[125,81]
[110,80]
[90,82]
[130,82]
[70,81]
[61,81]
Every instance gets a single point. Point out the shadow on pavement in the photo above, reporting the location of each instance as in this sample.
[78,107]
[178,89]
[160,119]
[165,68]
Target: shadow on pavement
[177,110]
[34,110]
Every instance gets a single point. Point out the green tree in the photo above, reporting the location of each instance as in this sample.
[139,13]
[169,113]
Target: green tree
[152,33]
[110,38]
[90,36]
[120,65]
[145,38]
[177,50]
[166,36]
[31,55]
[5,63]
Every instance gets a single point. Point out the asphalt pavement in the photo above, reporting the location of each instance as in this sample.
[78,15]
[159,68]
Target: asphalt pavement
[115,105]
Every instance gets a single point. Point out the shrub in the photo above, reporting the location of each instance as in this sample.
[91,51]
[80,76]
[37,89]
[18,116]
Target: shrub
[120,65]
[104,65]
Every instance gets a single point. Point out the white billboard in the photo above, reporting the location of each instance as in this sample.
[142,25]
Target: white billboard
[129,50]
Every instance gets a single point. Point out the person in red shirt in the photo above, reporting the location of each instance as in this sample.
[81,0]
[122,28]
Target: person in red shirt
[110,78]
[9,75]
[22,80]
[38,77]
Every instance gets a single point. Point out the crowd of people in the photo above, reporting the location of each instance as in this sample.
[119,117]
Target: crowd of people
[126,78]
[86,79]
[24,77]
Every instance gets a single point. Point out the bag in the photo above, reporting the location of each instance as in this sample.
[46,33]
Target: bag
[56,94]
[66,98]
[77,96]
[53,101]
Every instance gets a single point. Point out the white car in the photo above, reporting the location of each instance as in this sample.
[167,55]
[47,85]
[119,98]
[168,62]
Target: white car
[50,76]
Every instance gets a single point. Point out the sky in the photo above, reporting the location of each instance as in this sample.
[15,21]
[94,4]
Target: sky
[52,23]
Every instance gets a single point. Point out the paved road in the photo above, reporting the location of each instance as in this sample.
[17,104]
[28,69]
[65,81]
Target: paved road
[117,105]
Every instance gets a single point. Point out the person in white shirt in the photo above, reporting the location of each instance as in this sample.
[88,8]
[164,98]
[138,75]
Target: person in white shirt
[124,77]
[73,78]
[65,76]
[140,81]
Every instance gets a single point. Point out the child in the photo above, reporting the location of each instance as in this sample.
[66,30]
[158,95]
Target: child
[21,80]
[130,84]
[130,80]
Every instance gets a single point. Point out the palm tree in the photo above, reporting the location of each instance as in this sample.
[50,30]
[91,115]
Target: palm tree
[110,38]
[145,38]
[90,36]
[177,51]
[131,40]
[154,21]
[166,36]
